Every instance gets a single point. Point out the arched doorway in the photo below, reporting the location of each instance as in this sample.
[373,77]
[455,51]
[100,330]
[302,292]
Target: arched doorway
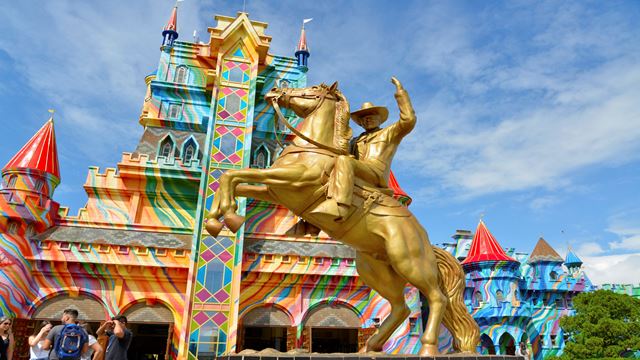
[486,345]
[507,345]
[264,327]
[89,309]
[152,328]
[332,328]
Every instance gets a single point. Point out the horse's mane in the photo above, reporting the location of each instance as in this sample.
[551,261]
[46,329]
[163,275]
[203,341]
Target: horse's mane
[341,130]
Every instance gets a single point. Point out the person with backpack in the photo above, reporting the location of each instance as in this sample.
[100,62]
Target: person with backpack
[67,341]
[119,337]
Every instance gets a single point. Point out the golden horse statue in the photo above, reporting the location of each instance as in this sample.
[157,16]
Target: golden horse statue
[392,248]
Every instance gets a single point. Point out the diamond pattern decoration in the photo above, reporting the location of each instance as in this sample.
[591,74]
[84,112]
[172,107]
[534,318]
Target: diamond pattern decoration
[225,256]
[207,255]
[219,318]
[203,295]
[226,242]
[200,318]
[221,295]
[232,66]
[217,248]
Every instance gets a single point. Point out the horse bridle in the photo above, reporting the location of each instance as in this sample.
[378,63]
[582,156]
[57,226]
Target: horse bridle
[322,96]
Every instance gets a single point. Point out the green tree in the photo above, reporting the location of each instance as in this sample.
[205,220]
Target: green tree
[605,325]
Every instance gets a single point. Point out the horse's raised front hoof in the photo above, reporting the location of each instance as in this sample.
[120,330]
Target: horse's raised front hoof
[233,221]
[213,227]
[429,350]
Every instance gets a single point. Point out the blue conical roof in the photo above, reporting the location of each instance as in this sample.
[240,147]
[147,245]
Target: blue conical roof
[572,259]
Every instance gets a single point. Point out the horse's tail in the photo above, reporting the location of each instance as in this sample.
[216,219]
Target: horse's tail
[465,330]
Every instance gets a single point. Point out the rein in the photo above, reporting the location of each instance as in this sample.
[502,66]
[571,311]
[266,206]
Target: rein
[274,103]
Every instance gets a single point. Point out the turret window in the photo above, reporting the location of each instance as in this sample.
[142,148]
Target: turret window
[181,75]
[499,296]
[38,185]
[553,276]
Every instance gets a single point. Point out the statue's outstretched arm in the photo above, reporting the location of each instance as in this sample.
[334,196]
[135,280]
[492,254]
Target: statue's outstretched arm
[407,115]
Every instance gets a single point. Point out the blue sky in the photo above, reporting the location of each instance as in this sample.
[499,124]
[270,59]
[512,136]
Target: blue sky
[528,111]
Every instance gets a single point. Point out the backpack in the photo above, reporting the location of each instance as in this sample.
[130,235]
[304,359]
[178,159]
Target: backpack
[70,342]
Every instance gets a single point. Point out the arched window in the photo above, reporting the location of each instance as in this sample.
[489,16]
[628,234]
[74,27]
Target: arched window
[166,147]
[477,298]
[499,296]
[261,157]
[283,84]
[181,74]
[30,232]
[12,227]
[189,150]
[553,276]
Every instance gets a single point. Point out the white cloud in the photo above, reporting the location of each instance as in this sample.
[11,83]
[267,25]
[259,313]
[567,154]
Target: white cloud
[590,248]
[539,117]
[613,269]
[543,202]
[626,225]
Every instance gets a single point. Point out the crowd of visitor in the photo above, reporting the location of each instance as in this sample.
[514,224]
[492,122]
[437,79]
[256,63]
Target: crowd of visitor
[71,340]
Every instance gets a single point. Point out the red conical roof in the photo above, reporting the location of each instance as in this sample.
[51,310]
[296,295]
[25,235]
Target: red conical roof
[485,247]
[398,193]
[172,25]
[302,44]
[39,153]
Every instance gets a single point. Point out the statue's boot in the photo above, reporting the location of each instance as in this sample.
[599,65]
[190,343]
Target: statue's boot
[329,207]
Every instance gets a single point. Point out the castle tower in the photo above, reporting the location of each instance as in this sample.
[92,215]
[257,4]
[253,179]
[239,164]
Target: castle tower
[492,288]
[572,262]
[33,173]
[302,50]
[545,263]
[26,209]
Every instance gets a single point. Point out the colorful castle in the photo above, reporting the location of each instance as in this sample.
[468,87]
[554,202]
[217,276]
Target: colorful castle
[138,246]
[518,297]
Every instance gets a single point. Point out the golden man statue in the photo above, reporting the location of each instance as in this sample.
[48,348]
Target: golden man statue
[340,186]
